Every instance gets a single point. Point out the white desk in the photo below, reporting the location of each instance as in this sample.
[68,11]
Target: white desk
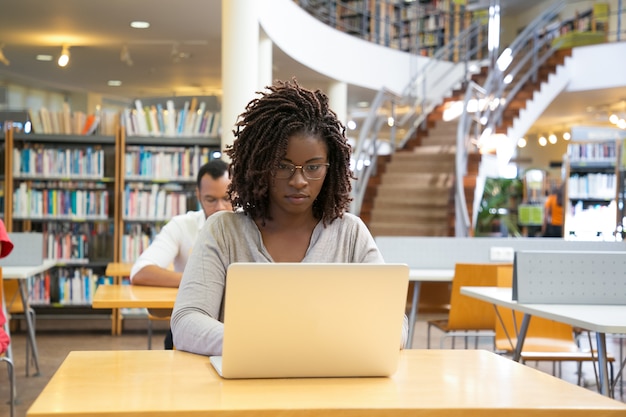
[417,276]
[21,274]
[601,319]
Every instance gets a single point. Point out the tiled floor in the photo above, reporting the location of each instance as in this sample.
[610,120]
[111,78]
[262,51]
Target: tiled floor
[56,338]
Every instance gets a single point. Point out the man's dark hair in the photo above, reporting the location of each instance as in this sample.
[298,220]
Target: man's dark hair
[215,168]
[261,136]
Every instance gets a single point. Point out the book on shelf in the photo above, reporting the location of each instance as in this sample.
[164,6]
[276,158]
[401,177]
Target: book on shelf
[140,119]
[67,122]
[91,124]
[77,286]
[192,120]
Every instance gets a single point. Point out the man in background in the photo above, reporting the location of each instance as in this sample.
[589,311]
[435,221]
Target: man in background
[172,245]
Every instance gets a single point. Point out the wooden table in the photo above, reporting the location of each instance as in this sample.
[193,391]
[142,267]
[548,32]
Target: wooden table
[134,296]
[417,276]
[601,319]
[434,383]
[119,296]
[119,271]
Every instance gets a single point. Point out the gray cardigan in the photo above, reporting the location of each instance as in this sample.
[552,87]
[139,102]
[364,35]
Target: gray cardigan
[227,237]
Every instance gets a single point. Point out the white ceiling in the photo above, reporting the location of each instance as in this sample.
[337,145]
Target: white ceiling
[96,32]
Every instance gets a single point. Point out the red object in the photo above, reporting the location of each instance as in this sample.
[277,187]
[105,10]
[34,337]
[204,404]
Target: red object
[6,246]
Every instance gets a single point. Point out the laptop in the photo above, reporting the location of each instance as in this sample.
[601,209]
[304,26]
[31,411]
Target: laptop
[297,320]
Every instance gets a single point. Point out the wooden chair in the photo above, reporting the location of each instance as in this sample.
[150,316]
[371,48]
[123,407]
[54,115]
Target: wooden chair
[7,356]
[545,341]
[159,314]
[469,317]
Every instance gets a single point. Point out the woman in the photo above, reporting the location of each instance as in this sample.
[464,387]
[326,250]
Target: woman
[553,214]
[291,175]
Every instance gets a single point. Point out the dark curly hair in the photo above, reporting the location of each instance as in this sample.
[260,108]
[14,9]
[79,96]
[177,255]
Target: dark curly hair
[261,136]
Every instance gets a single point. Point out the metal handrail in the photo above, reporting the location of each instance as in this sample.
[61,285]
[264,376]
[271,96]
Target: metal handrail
[438,77]
[532,47]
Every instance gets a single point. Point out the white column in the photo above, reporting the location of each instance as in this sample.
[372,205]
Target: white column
[265,61]
[240,51]
[338,99]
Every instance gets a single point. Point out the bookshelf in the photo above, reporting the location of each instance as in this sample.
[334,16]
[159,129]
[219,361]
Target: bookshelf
[157,181]
[62,186]
[412,26]
[86,194]
[594,174]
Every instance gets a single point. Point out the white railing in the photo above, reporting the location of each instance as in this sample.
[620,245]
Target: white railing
[449,68]
[516,65]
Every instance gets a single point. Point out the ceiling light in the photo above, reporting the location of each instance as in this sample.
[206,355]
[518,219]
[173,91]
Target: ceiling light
[114,83]
[43,57]
[567,136]
[521,143]
[543,141]
[139,24]
[552,138]
[64,59]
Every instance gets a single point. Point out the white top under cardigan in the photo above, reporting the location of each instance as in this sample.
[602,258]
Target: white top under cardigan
[229,237]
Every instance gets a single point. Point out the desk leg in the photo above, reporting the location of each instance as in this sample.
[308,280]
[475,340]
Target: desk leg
[116,321]
[603,366]
[413,313]
[119,319]
[520,337]
[32,341]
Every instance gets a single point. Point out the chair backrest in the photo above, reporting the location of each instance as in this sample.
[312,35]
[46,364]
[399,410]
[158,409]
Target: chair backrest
[543,335]
[12,297]
[467,313]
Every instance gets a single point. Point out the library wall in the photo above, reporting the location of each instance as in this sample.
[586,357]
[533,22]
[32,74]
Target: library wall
[540,157]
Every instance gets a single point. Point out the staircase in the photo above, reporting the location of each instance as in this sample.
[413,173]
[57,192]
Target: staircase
[526,93]
[413,192]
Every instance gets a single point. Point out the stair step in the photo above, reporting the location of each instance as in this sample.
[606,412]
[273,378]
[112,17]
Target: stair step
[425,165]
[439,152]
[440,140]
[409,216]
[436,202]
[408,192]
[435,149]
[418,179]
[407,229]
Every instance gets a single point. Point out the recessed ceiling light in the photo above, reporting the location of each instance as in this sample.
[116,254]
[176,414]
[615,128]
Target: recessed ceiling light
[138,24]
[114,83]
[363,104]
[43,57]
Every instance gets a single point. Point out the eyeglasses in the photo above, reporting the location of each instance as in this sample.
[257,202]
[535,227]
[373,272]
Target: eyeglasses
[212,201]
[285,170]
